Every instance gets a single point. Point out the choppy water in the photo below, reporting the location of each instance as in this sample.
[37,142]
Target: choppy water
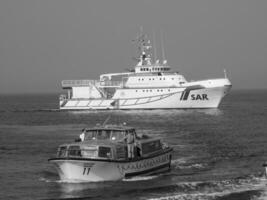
[218,153]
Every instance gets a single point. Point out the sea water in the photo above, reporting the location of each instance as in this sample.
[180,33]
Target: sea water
[218,153]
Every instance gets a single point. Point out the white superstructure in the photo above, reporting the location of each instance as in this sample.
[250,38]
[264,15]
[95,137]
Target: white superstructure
[148,86]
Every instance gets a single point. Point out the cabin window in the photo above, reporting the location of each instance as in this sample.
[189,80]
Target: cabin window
[89,151]
[75,151]
[121,152]
[104,152]
[62,151]
[150,147]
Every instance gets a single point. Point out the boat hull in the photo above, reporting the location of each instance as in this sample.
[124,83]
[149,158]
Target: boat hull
[93,170]
[183,98]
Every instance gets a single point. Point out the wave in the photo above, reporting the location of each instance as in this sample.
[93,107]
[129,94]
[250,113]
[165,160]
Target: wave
[33,110]
[251,187]
[141,178]
[184,163]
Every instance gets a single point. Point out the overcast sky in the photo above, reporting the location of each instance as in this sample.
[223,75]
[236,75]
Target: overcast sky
[45,41]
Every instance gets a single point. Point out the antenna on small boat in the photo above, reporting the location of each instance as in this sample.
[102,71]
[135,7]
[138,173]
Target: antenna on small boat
[106,120]
[225,73]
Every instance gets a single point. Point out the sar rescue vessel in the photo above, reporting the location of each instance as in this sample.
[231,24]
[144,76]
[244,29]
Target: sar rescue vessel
[147,86]
[103,155]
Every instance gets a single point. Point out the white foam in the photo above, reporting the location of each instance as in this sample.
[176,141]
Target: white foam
[140,178]
[220,188]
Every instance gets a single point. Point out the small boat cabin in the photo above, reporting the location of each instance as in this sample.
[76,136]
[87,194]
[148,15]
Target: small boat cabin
[109,142]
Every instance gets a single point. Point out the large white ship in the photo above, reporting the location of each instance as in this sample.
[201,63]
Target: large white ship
[150,85]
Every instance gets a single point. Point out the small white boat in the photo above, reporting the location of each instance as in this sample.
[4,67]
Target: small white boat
[103,155]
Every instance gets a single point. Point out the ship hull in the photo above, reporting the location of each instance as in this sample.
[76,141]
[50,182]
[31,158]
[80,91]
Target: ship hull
[183,98]
[94,170]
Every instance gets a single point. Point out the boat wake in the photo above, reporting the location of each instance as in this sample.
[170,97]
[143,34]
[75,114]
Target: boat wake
[183,163]
[140,178]
[245,188]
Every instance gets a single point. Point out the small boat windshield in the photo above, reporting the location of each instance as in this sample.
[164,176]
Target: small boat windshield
[117,135]
[114,135]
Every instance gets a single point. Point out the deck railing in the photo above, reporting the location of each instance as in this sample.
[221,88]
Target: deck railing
[77,83]
[84,83]
[110,83]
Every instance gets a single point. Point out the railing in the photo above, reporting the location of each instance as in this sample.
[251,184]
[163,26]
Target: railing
[110,83]
[77,83]
[81,83]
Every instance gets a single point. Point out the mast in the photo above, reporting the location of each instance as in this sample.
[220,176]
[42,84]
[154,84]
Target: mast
[162,49]
[155,48]
[144,47]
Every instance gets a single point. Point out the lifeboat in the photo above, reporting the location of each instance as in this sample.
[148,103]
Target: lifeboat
[104,153]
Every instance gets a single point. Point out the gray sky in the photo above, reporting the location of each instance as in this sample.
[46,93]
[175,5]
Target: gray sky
[45,41]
